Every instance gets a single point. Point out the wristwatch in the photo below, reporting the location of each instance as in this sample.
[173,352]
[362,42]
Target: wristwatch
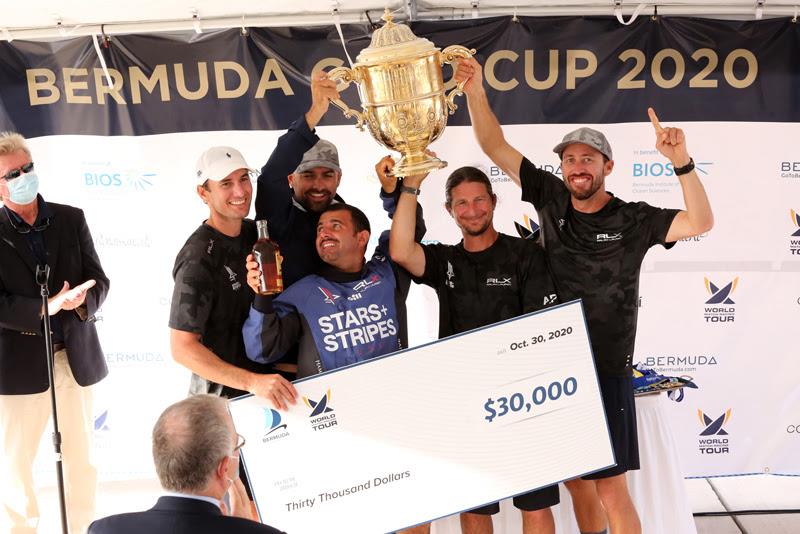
[686,169]
[410,190]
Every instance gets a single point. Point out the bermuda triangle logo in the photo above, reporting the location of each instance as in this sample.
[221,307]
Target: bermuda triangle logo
[714,427]
[721,295]
[321,406]
[529,229]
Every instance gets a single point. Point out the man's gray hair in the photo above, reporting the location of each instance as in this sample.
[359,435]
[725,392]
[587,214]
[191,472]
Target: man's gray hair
[190,438]
[11,142]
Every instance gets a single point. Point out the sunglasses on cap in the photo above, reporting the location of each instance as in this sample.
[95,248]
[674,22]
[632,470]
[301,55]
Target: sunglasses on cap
[25,169]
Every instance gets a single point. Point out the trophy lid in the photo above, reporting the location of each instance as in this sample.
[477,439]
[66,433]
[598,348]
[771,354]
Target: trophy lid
[392,42]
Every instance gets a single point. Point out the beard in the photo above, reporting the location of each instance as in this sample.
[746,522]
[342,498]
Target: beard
[315,205]
[584,194]
[480,231]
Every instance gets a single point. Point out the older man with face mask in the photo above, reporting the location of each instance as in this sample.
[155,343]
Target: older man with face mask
[35,233]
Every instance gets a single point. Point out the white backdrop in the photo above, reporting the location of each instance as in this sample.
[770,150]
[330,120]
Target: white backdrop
[138,195]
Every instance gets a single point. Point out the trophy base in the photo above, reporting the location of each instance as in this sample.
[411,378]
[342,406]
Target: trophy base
[413,165]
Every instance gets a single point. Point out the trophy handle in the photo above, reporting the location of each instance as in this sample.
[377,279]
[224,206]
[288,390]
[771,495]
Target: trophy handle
[346,76]
[450,55]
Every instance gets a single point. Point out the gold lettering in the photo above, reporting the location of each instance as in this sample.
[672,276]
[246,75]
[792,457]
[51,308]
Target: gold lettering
[680,68]
[103,90]
[219,77]
[491,63]
[139,79]
[273,68]
[573,72]
[629,81]
[36,86]
[699,79]
[752,68]
[324,63]
[530,76]
[71,85]
[180,82]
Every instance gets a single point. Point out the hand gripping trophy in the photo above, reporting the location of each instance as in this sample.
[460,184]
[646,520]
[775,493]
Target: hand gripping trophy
[399,79]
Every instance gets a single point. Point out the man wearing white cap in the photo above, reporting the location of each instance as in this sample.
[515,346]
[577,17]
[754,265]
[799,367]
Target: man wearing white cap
[211,299]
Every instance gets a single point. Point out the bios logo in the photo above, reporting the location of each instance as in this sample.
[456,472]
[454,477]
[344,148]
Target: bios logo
[719,307]
[794,239]
[274,428]
[658,169]
[321,415]
[790,169]
[713,436]
[103,176]
[528,229]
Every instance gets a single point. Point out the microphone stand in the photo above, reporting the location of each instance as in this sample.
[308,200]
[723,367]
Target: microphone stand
[42,274]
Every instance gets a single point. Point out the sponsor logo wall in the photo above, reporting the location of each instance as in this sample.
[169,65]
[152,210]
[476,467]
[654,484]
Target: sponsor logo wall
[722,307]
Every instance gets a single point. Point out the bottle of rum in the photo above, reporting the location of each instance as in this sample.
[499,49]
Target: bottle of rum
[268,255]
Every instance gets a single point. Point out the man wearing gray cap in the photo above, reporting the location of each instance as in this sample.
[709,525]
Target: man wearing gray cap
[595,244]
[299,181]
[211,300]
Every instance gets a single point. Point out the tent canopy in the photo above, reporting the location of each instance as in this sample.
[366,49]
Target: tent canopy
[55,18]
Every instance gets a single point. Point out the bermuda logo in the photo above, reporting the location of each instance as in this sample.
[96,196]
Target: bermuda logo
[320,407]
[373,280]
[329,297]
[528,230]
[713,427]
[719,307]
[714,439]
[274,428]
[721,296]
[322,416]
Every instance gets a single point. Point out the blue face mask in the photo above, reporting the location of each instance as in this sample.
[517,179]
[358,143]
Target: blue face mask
[23,190]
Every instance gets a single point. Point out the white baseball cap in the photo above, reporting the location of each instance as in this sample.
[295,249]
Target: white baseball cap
[218,162]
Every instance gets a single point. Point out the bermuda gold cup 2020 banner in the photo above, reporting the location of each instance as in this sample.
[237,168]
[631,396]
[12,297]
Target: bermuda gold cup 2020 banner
[538,70]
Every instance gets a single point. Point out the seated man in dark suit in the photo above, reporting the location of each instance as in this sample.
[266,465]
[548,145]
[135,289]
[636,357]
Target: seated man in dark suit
[196,452]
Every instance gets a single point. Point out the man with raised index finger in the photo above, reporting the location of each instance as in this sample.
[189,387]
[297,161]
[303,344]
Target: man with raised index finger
[595,244]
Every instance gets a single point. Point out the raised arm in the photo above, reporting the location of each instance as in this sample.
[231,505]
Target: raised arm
[274,196]
[697,217]
[404,248]
[484,122]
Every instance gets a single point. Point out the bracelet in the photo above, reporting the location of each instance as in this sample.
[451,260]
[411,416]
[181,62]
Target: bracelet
[686,169]
[410,190]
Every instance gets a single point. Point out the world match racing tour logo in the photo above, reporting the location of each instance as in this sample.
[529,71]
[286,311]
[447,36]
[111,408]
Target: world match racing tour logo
[274,428]
[321,415]
[794,240]
[720,307]
[714,438]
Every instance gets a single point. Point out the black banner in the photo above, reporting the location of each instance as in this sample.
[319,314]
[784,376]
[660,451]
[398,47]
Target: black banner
[537,70]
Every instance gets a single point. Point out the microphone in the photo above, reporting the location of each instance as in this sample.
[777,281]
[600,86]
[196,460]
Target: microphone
[42,274]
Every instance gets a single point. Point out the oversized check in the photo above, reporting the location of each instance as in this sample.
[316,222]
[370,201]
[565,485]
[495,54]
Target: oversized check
[430,431]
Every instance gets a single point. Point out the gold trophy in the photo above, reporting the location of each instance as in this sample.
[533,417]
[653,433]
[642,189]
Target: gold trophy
[399,79]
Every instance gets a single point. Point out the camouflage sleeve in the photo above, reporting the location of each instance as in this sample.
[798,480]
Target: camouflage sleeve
[538,186]
[192,297]
[655,223]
